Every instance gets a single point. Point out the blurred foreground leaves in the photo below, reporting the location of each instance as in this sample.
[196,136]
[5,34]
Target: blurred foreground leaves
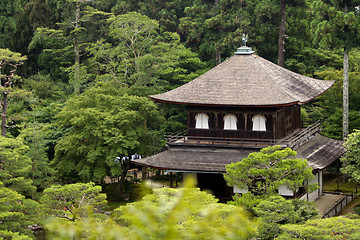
[185,213]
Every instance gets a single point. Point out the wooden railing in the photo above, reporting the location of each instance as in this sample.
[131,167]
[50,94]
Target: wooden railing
[298,139]
[292,141]
[176,136]
[339,205]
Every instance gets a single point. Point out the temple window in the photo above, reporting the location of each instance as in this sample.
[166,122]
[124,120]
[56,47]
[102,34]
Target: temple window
[202,121]
[259,123]
[230,122]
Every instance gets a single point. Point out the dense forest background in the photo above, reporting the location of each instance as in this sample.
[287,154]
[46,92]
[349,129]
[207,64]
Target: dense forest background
[75,74]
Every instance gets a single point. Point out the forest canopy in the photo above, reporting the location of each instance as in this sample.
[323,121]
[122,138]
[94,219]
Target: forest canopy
[76,76]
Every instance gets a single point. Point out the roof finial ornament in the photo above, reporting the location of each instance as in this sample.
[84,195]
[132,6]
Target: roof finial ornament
[244,50]
[244,39]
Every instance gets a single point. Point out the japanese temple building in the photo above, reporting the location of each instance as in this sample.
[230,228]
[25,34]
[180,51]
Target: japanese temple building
[238,107]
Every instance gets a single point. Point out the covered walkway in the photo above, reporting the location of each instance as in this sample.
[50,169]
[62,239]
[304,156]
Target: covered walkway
[331,204]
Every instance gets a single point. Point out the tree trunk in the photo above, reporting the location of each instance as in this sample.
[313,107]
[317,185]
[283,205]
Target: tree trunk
[346,93]
[281,40]
[123,176]
[217,56]
[77,50]
[4,113]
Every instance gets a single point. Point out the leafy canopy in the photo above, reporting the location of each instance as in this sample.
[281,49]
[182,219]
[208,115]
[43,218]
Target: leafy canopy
[263,172]
[102,123]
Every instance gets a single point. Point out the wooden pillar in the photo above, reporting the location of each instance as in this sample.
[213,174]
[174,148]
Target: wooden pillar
[171,180]
[216,121]
[274,125]
[188,119]
[143,173]
[245,122]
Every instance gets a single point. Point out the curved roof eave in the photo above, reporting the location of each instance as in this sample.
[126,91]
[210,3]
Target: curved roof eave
[224,105]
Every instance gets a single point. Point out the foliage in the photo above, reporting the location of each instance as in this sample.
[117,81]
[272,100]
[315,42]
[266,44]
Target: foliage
[88,228]
[88,149]
[328,107]
[16,214]
[214,29]
[9,62]
[10,58]
[42,173]
[139,55]
[276,211]
[338,24]
[185,213]
[9,9]
[357,209]
[263,172]
[328,228]
[72,201]
[16,166]
[335,23]
[351,159]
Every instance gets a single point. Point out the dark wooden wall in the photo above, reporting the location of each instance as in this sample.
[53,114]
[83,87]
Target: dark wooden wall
[279,122]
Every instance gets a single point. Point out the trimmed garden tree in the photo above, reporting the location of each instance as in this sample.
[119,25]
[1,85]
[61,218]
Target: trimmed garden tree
[323,229]
[72,201]
[263,172]
[276,211]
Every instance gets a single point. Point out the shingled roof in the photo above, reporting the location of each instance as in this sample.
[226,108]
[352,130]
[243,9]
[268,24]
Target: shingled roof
[246,80]
[320,152]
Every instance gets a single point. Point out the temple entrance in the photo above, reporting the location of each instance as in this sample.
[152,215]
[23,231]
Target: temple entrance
[216,184]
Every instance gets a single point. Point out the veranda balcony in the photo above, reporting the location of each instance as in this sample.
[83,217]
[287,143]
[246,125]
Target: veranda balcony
[248,139]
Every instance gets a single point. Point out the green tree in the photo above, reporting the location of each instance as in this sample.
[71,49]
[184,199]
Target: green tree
[42,174]
[282,28]
[102,123]
[351,159]
[61,51]
[9,9]
[53,52]
[9,62]
[214,28]
[328,107]
[263,172]
[324,229]
[336,25]
[16,214]
[136,33]
[276,211]
[72,201]
[15,166]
